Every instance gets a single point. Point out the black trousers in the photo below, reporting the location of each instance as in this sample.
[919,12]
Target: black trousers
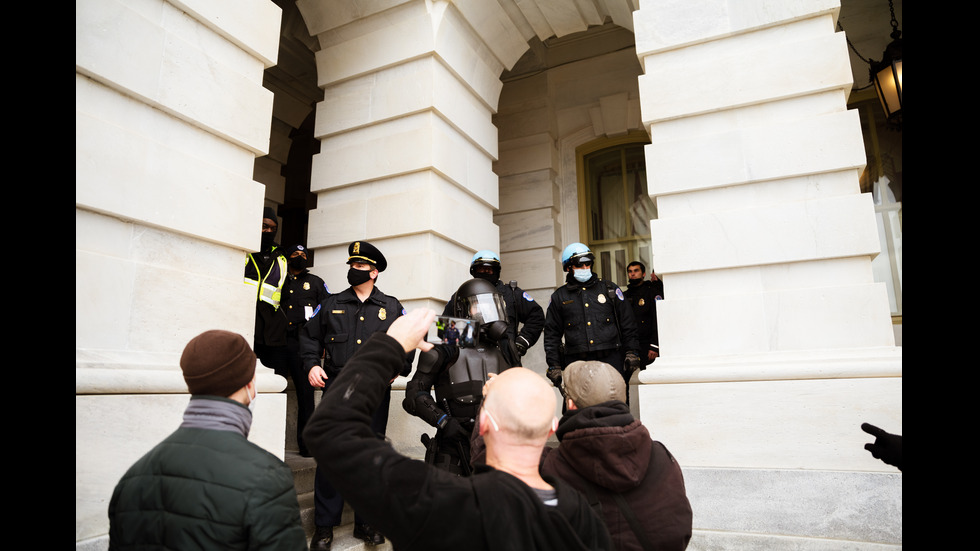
[304,391]
[329,504]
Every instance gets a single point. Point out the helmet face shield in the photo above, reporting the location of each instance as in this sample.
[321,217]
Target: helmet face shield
[485,308]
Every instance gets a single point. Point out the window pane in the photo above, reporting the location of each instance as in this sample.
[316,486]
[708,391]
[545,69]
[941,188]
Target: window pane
[642,208]
[619,209]
[606,196]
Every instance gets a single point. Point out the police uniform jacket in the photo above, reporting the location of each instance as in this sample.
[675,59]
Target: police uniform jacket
[342,324]
[525,318]
[301,294]
[591,316]
[643,299]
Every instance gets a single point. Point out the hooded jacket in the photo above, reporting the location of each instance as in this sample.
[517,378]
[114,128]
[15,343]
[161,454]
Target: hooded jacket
[604,451]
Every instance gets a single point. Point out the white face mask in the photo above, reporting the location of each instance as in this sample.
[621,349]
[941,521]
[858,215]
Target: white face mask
[583,274]
[251,401]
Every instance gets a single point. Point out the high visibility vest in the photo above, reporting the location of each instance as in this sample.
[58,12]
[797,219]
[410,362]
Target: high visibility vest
[269,290]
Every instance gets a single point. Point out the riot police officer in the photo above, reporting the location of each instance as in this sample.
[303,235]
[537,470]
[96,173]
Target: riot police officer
[458,374]
[592,317]
[525,318]
[337,329]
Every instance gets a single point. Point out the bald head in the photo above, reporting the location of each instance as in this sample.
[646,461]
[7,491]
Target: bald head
[522,403]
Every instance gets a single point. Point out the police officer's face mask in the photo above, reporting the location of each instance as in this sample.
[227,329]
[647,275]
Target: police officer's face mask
[582,274]
[494,330]
[297,263]
[268,238]
[486,274]
[355,277]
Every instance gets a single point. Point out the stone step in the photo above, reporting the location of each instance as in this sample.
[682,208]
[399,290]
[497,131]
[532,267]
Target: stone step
[304,475]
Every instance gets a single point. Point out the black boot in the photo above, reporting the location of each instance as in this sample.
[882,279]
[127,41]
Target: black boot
[368,534]
[322,538]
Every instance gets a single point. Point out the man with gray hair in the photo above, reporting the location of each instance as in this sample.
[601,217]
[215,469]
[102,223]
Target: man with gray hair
[609,456]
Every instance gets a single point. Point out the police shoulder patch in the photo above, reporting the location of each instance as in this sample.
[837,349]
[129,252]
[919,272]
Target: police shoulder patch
[619,294]
[527,297]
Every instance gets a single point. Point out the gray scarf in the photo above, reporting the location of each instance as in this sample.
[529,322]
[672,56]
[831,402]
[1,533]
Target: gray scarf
[216,413]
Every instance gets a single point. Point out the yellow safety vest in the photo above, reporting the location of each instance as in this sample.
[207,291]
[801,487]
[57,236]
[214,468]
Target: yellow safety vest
[265,291]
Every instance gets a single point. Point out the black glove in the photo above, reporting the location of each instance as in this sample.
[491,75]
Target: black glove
[554,373]
[521,344]
[451,428]
[632,363]
[887,447]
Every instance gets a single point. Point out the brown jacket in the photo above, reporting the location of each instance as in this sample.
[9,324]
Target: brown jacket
[603,452]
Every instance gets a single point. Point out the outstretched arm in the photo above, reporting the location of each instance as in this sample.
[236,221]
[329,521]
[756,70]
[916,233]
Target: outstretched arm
[375,479]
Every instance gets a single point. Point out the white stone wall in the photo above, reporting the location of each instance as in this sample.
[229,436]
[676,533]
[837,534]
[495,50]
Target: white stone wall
[170,114]
[776,344]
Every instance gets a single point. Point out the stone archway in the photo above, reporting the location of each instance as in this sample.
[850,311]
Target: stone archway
[764,239]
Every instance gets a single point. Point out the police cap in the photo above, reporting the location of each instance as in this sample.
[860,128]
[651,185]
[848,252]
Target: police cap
[362,251]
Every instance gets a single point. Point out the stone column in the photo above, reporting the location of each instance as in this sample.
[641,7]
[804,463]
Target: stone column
[407,143]
[407,146]
[170,115]
[776,344]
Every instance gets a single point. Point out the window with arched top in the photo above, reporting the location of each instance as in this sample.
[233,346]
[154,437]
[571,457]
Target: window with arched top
[615,208]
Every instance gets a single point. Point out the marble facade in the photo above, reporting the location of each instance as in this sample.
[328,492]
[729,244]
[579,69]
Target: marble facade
[776,342]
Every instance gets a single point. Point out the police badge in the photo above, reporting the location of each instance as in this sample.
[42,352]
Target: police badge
[382,314]
[601,298]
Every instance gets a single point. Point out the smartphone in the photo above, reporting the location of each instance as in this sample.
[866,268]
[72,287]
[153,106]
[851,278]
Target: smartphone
[460,332]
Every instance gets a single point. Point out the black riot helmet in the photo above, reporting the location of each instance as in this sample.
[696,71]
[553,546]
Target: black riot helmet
[477,299]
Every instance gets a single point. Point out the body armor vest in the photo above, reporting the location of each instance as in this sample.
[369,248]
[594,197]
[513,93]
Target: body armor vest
[464,391]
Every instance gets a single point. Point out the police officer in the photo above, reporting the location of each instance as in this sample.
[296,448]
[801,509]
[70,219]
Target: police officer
[265,271]
[525,318]
[338,327]
[458,374]
[302,292]
[592,316]
[643,295]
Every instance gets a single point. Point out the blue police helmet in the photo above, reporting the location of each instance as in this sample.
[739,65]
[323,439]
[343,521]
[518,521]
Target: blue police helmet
[575,252]
[485,258]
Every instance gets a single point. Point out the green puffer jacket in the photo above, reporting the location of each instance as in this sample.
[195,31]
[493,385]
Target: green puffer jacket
[206,489]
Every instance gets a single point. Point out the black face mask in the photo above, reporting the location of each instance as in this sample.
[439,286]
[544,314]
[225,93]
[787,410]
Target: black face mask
[268,238]
[634,282]
[355,277]
[492,278]
[297,263]
[494,330]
